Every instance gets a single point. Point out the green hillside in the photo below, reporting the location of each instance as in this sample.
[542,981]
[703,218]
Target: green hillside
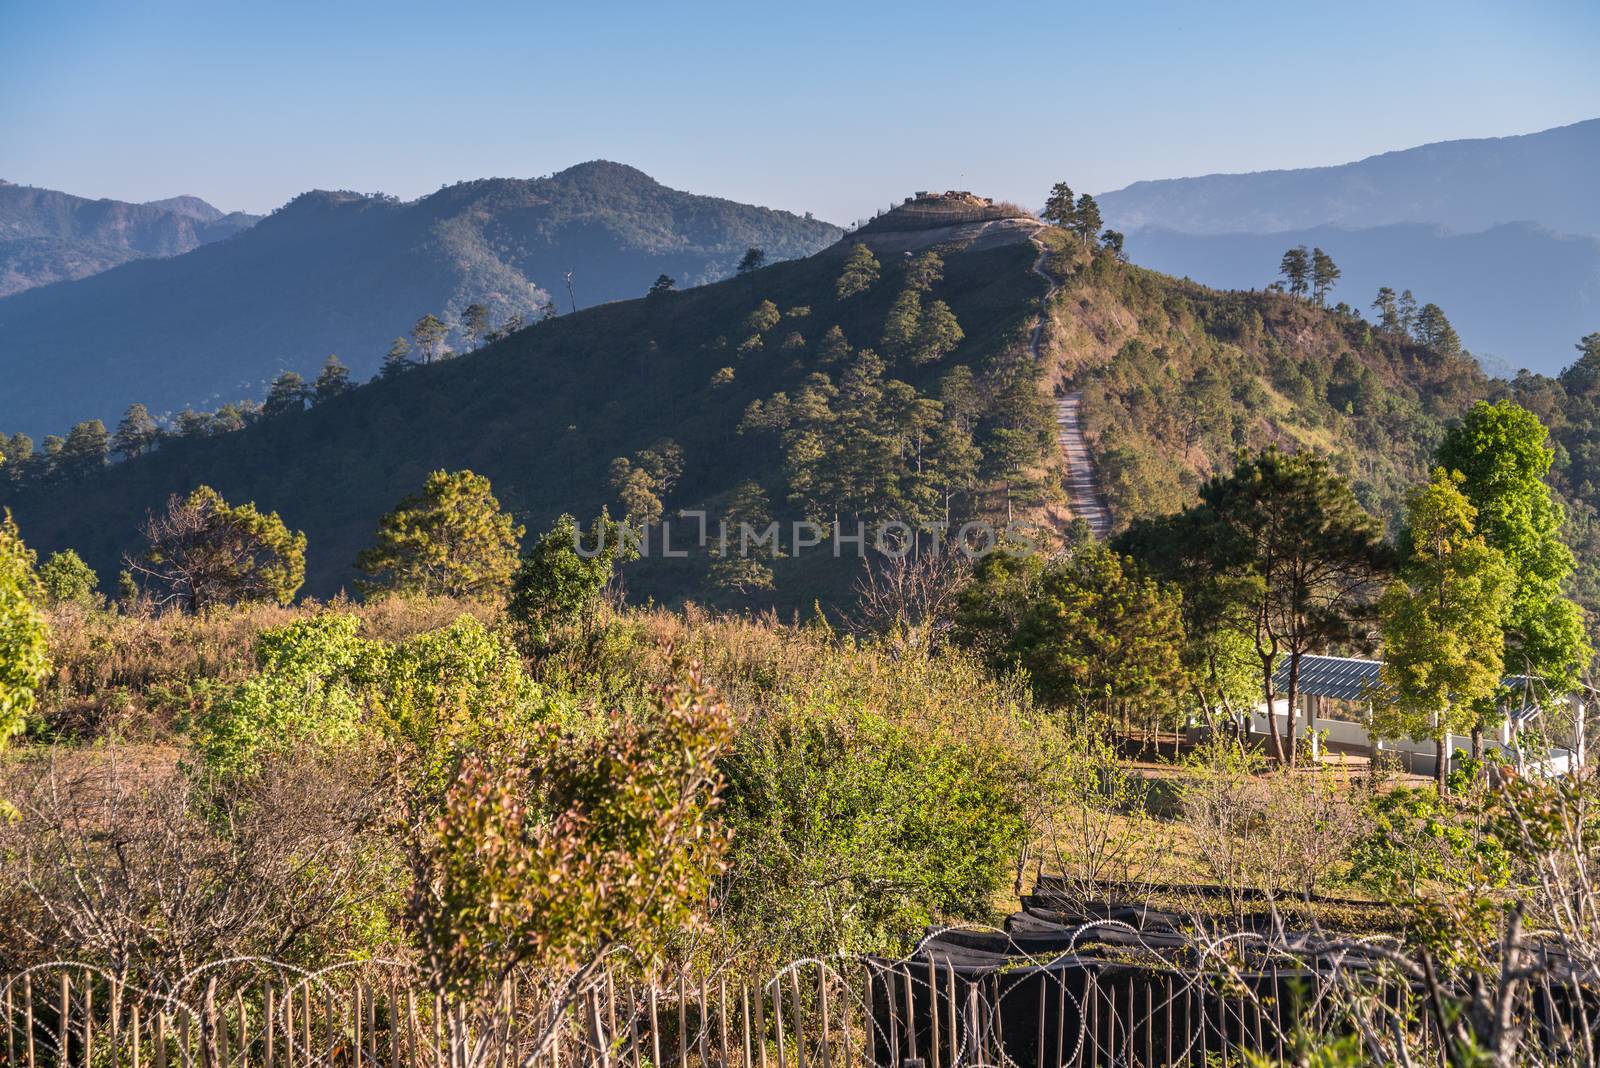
[344,272]
[745,377]
[544,412]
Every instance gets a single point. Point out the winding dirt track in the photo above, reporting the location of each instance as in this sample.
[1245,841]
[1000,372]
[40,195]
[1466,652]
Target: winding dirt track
[1084,498]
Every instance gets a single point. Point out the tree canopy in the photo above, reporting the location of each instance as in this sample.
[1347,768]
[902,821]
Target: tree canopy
[450,539]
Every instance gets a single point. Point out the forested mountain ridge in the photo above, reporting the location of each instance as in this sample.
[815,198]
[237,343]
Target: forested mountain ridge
[341,272]
[1465,185]
[1518,294]
[1504,232]
[759,386]
[48,236]
[546,411]
[1177,376]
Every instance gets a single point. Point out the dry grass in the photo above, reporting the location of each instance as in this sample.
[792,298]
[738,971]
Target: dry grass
[129,676]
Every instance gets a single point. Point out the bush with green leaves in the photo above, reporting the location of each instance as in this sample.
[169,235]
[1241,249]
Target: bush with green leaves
[24,653]
[67,579]
[1417,838]
[559,584]
[321,685]
[306,693]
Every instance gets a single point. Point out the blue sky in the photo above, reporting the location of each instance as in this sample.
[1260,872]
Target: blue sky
[835,108]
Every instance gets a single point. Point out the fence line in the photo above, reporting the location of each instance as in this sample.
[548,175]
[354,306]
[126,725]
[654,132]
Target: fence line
[940,1008]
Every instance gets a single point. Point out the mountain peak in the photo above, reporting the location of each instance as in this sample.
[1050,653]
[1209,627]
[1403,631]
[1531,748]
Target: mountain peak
[188,206]
[604,170]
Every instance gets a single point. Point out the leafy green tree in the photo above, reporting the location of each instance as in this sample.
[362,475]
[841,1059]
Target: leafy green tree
[85,450]
[1501,452]
[66,579]
[753,260]
[397,361]
[137,434]
[1291,531]
[428,335]
[1086,220]
[1324,275]
[1090,630]
[860,273]
[202,552]
[332,381]
[475,324]
[451,539]
[1059,207]
[736,563]
[559,585]
[1442,635]
[288,394]
[1112,241]
[663,285]
[24,635]
[1295,267]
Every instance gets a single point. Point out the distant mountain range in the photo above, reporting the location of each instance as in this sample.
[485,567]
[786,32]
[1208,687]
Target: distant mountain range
[46,236]
[1519,295]
[1502,233]
[1546,178]
[340,272]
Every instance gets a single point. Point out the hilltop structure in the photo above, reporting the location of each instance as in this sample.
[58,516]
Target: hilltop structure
[955,216]
[927,211]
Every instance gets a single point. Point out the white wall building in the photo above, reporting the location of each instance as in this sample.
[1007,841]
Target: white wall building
[1334,695]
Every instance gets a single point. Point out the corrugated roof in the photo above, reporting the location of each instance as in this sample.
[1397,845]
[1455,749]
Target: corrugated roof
[1340,677]
[1352,679]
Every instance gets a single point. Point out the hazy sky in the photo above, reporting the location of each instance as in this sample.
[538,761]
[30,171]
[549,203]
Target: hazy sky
[836,108]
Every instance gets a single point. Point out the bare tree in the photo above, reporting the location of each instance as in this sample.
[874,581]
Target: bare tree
[911,596]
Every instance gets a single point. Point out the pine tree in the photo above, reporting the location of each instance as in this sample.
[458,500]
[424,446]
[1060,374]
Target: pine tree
[429,334]
[288,394]
[451,540]
[1296,270]
[397,361]
[136,434]
[1434,331]
[1112,241]
[1324,275]
[1086,220]
[833,349]
[741,554]
[753,260]
[203,552]
[900,325]
[938,334]
[84,451]
[1387,305]
[1059,208]
[475,324]
[663,285]
[332,381]
[1407,311]
[861,271]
